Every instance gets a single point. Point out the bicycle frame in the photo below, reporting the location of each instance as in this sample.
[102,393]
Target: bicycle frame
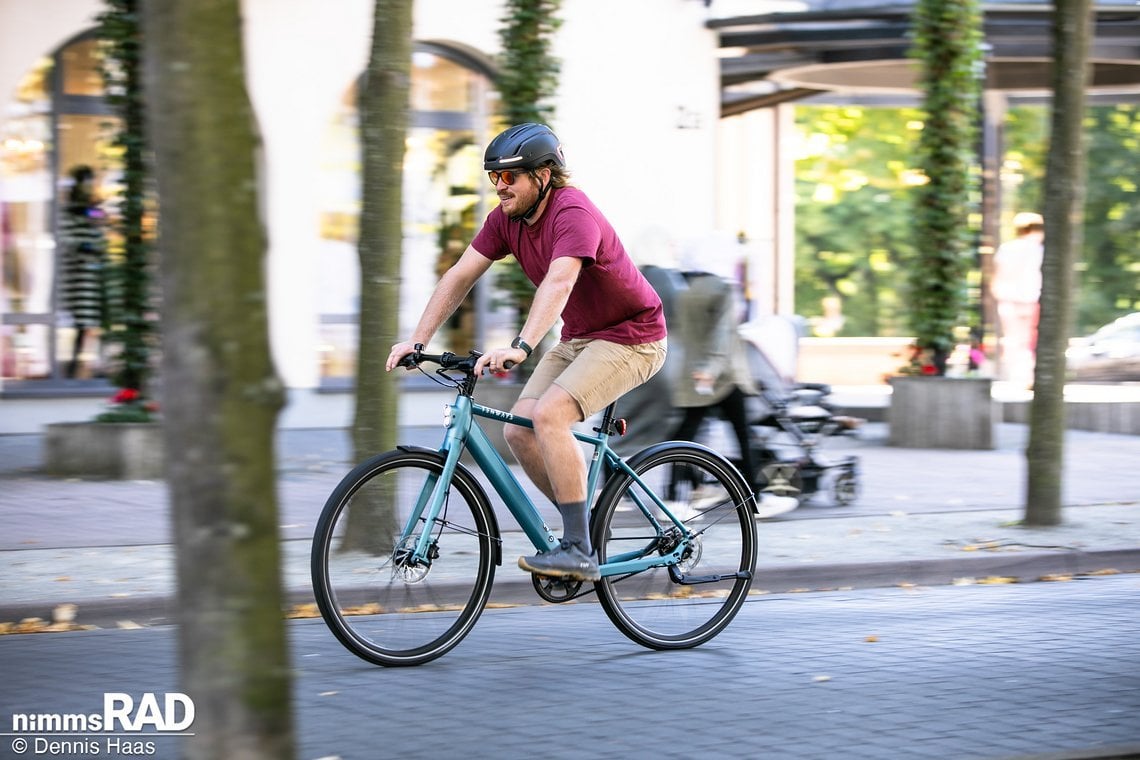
[464,432]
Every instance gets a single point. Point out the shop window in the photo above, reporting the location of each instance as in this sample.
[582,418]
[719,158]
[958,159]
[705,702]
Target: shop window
[446,196]
[55,123]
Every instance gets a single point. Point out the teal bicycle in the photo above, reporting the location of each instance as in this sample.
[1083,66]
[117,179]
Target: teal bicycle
[406,547]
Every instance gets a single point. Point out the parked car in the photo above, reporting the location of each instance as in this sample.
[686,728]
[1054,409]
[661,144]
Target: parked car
[1112,353]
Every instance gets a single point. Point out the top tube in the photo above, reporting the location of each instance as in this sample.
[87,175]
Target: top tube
[449,362]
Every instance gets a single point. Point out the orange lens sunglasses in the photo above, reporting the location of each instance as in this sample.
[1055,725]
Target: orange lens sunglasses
[507,175]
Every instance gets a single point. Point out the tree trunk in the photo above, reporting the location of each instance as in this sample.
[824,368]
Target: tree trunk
[383,124]
[221,395]
[1064,207]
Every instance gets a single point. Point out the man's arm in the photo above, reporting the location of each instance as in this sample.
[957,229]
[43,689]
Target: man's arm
[551,297]
[452,288]
[549,300]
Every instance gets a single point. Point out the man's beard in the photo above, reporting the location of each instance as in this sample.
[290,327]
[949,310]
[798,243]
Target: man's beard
[520,208]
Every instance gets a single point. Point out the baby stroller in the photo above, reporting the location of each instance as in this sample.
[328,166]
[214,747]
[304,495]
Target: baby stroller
[792,420]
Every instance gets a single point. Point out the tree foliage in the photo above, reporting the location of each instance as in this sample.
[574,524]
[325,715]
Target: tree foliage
[947,43]
[528,71]
[1110,266]
[854,182]
[853,210]
[129,289]
[527,82]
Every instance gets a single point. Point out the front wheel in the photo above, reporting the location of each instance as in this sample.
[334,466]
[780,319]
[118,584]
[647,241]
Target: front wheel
[382,602]
[688,603]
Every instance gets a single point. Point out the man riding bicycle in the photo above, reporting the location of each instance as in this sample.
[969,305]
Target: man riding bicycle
[613,334]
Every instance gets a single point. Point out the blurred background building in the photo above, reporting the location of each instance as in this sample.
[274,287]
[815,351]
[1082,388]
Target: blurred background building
[677,116]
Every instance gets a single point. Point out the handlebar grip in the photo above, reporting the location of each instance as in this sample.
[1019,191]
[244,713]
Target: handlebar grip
[407,360]
[508,364]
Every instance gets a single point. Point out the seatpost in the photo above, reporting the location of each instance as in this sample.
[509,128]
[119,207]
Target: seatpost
[609,425]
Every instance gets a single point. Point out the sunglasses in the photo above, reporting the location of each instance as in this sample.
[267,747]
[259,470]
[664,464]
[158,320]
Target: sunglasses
[508,176]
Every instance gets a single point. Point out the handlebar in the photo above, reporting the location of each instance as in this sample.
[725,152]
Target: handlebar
[446,361]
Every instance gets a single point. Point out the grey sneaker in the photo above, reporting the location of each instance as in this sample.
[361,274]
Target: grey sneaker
[566,561]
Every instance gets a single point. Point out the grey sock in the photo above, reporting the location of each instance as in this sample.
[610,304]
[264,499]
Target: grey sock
[576,524]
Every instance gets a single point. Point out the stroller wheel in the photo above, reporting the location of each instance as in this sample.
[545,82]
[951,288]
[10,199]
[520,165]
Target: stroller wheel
[845,489]
[782,479]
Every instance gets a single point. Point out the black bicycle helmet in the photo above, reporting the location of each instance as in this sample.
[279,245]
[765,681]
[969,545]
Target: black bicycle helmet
[523,146]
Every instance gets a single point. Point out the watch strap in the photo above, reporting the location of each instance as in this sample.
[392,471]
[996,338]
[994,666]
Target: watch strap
[520,343]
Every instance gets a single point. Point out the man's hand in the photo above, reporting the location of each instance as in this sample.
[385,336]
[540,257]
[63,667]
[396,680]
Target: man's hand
[399,351]
[500,360]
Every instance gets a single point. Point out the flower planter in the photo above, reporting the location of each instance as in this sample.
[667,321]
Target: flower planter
[111,450]
[942,412]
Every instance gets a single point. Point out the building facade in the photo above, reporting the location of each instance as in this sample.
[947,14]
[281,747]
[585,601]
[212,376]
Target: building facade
[638,111]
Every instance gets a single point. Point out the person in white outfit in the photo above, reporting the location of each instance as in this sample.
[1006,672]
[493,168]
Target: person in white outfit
[1016,287]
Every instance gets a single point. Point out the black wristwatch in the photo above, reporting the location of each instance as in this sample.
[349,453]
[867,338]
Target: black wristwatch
[520,343]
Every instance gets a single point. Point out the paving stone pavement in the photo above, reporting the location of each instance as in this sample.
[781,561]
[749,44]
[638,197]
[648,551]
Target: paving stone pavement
[909,652]
[924,516]
[1041,670]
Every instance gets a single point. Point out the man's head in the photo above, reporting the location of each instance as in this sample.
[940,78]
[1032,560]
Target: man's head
[524,162]
[1027,222]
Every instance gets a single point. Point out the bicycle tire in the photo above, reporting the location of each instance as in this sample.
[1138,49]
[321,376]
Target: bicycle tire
[386,611]
[656,608]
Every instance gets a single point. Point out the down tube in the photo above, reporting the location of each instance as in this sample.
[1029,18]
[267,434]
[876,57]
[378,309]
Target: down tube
[509,489]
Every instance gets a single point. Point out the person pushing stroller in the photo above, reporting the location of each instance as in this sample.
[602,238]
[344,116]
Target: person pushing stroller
[714,373]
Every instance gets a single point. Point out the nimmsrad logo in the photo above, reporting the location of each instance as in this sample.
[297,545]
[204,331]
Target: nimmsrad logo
[173,713]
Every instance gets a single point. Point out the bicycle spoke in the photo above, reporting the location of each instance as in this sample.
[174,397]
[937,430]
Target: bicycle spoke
[385,603]
[689,602]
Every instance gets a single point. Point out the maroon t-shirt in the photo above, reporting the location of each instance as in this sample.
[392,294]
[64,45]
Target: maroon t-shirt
[611,300]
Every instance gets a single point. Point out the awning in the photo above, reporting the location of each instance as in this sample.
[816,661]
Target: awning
[860,48]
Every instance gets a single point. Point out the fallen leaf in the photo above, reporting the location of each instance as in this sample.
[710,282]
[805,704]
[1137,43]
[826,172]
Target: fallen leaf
[871,639]
[64,613]
[995,580]
[309,610]
[1056,577]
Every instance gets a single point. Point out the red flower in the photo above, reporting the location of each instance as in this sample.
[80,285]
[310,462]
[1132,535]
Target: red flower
[126,395]
[928,369]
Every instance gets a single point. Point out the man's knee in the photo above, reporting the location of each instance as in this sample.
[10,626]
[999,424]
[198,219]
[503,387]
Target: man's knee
[517,437]
[556,410]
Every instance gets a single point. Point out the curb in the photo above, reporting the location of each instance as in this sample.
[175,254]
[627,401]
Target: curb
[148,611]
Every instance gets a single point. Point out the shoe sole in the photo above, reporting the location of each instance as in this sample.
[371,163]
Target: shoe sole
[547,573]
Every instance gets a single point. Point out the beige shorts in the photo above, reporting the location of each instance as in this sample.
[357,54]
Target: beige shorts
[595,372]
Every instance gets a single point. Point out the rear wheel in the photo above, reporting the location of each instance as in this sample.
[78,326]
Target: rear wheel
[688,603]
[381,602]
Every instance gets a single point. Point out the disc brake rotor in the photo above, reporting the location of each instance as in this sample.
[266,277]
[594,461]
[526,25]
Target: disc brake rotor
[404,565]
